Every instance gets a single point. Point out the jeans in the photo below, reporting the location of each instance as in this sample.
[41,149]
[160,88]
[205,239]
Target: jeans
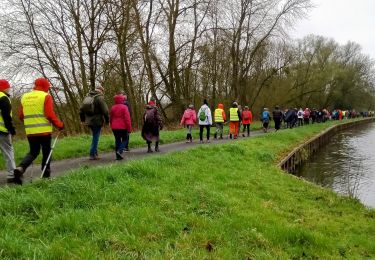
[95,140]
[120,139]
[35,143]
[126,143]
[6,148]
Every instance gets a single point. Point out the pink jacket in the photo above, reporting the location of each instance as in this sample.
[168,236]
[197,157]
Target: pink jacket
[189,117]
[120,116]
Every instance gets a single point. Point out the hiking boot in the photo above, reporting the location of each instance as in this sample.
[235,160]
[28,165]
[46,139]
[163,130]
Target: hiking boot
[157,149]
[18,172]
[243,135]
[11,180]
[126,150]
[94,157]
[221,137]
[201,142]
[215,136]
[47,173]
[119,156]
[149,150]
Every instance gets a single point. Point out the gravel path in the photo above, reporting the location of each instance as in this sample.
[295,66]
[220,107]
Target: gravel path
[65,166]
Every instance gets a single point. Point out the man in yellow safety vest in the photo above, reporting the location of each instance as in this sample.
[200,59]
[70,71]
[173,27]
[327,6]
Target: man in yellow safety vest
[234,118]
[7,129]
[38,117]
[220,118]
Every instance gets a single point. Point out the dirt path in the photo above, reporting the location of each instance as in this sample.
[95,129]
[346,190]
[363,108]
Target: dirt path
[65,166]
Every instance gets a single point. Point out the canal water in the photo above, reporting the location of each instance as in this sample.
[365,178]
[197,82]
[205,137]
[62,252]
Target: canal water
[346,164]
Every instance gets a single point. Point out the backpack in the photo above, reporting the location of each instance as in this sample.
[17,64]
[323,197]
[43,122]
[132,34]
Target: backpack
[246,116]
[150,116]
[265,116]
[202,115]
[307,114]
[88,104]
[299,113]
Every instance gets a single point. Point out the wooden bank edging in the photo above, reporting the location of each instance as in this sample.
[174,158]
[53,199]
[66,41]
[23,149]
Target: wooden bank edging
[295,158]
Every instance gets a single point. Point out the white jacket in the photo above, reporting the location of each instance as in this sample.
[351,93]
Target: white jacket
[300,114]
[207,111]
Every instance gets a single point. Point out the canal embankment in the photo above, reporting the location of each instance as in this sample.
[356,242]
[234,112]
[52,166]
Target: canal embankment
[228,201]
[294,160]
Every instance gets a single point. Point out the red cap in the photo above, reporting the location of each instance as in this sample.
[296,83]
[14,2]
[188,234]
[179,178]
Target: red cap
[42,84]
[4,84]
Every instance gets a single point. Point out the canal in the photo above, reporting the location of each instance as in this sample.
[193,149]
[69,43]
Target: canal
[346,164]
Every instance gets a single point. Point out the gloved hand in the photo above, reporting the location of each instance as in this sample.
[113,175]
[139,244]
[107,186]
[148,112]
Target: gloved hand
[61,127]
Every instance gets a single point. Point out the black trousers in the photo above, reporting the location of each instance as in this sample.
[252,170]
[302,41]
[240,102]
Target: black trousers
[277,123]
[201,127]
[36,143]
[247,126]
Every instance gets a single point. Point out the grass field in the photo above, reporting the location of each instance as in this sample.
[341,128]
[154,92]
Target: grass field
[225,201]
[78,146]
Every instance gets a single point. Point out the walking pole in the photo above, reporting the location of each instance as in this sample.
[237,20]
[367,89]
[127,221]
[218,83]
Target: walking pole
[50,154]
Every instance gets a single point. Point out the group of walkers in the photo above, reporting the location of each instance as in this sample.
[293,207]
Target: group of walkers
[237,117]
[294,117]
[38,116]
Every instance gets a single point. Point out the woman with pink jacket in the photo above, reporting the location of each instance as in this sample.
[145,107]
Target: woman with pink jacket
[120,123]
[189,119]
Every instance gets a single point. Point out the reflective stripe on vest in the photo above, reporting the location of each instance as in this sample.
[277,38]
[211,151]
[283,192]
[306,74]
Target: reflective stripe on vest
[33,109]
[2,125]
[233,114]
[219,115]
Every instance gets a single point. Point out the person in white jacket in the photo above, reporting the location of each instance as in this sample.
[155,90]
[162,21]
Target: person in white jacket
[300,115]
[205,120]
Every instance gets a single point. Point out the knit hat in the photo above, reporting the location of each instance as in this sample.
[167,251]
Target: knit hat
[152,102]
[42,84]
[4,85]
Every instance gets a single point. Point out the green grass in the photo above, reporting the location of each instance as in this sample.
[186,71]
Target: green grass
[218,202]
[78,146]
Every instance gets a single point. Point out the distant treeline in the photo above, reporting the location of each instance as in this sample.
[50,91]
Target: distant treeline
[180,52]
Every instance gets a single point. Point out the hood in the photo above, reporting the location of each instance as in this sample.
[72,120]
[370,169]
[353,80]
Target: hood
[119,99]
[221,106]
[4,85]
[42,84]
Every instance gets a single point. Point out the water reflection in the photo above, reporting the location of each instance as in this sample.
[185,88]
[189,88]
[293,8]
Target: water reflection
[346,164]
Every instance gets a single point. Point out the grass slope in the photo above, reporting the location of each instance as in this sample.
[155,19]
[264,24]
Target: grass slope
[220,202]
[78,146]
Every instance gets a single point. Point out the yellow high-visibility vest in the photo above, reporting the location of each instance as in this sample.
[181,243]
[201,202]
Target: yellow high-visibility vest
[233,114]
[2,125]
[219,115]
[33,109]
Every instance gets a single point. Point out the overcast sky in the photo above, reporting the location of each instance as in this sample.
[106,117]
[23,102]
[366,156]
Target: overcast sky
[342,20]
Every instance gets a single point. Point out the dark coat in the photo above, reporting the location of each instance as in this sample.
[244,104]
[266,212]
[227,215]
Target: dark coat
[6,109]
[152,124]
[101,114]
